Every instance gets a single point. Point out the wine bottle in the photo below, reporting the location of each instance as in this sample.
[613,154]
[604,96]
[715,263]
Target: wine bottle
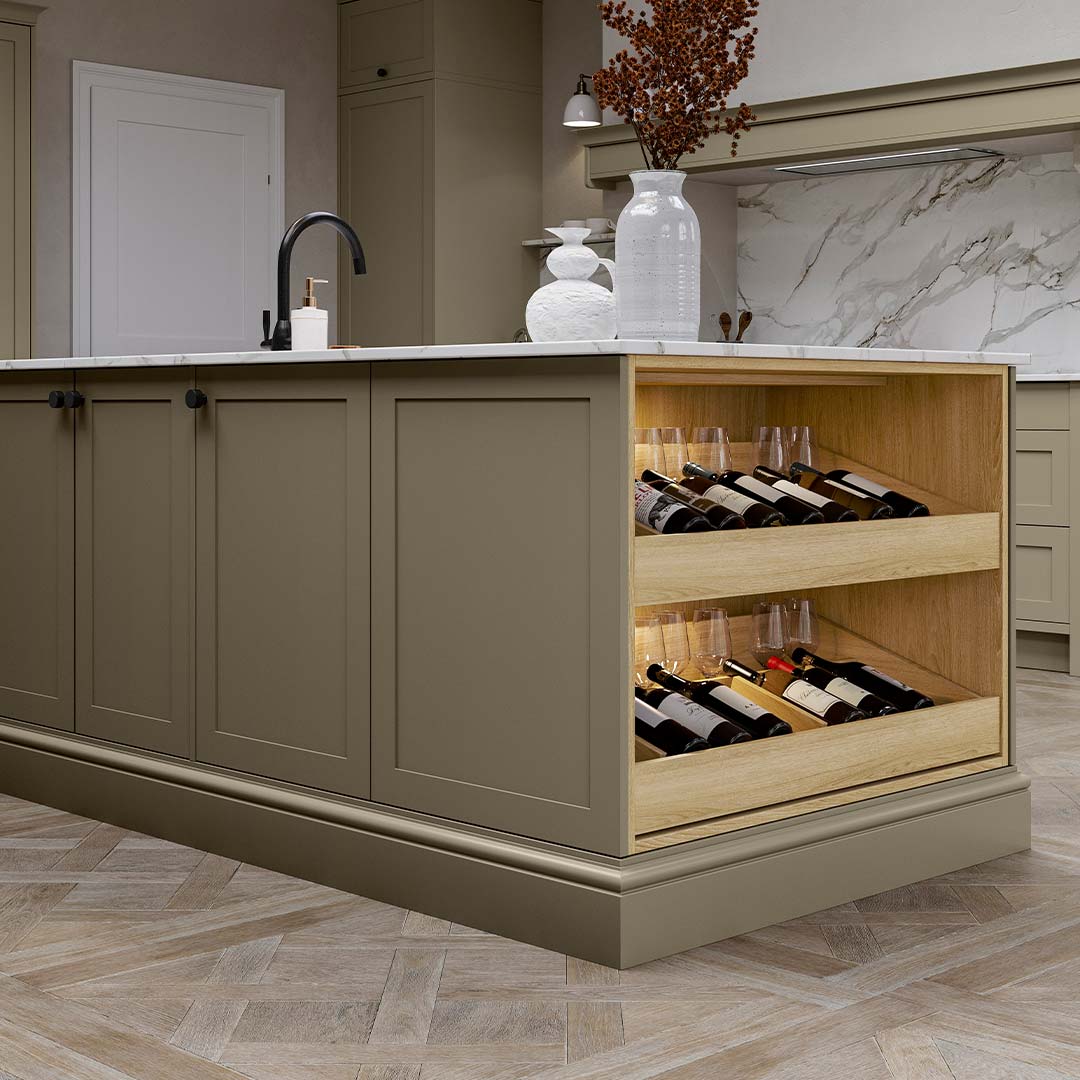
[795,511]
[867,507]
[895,692]
[828,707]
[661,731]
[663,514]
[902,505]
[724,701]
[830,509]
[720,517]
[839,687]
[757,515]
[715,730]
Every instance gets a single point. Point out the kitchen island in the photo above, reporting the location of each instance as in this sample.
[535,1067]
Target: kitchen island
[367,617]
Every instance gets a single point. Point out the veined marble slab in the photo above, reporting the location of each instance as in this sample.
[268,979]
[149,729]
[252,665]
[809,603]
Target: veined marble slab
[976,255]
[515,351]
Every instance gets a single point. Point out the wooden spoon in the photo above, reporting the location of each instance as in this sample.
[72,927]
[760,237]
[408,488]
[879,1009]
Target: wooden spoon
[745,319]
[725,325]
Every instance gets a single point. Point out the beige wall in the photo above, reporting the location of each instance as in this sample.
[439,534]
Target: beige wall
[291,44]
[572,44]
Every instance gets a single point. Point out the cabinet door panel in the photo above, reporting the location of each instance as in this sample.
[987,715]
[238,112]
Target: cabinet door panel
[36,552]
[499,605]
[1041,570]
[1042,406]
[282,569]
[1042,477]
[391,208]
[395,35]
[134,520]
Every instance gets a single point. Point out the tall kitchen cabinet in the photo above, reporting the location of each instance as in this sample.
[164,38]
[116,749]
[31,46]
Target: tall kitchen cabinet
[439,152]
[15,41]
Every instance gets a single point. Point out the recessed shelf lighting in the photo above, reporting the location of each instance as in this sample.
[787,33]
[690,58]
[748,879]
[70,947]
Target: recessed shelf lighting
[888,161]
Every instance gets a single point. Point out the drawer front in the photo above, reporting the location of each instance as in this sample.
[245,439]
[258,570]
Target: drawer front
[1041,573]
[1042,477]
[396,36]
[1042,406]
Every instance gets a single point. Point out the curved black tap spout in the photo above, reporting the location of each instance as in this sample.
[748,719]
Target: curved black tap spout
[282,338]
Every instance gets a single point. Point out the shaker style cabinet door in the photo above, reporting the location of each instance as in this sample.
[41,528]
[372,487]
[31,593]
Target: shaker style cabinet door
[1041,477]
[500,667]
[36,550]
[396,37]
[133,559]
[1041,572]
[282,565]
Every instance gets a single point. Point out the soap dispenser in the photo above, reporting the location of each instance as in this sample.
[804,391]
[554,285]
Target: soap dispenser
[310,329]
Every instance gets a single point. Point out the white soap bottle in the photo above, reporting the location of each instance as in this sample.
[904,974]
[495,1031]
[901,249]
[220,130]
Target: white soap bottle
[310,329]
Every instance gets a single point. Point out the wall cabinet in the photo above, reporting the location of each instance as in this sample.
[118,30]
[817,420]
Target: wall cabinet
[14,190]
[36,551]
[282,570]
[439,163]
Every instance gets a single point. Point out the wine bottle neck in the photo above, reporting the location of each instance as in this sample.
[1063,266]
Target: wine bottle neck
[666,678]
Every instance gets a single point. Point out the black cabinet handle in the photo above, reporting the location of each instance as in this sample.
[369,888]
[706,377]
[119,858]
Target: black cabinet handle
[381,72]
[56,399]
[194,399]
[73,400]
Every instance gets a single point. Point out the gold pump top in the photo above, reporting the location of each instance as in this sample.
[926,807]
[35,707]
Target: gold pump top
[309,295]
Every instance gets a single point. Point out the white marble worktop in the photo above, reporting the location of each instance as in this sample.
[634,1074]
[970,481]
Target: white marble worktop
[1048,376]
[528,349]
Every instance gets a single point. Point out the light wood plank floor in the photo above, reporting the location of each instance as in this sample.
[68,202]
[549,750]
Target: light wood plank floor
[122,956]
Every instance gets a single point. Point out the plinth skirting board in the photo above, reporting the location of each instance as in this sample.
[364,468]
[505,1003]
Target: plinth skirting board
[618,912]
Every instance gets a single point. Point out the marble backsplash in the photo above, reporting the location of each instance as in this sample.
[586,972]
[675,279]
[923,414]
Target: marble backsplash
[981,255]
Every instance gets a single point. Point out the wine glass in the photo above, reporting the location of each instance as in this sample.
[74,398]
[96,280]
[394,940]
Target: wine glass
[769,631]
[648,647]
[648,451]
[709,448]
[711,641]
[802,446]
[771,448]
[803,629]
[676,641]
[674,450]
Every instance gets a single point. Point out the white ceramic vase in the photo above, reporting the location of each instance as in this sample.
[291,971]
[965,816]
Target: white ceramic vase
[572,308]
[658,252]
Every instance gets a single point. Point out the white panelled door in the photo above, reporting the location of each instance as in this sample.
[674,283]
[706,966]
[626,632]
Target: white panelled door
[178,211]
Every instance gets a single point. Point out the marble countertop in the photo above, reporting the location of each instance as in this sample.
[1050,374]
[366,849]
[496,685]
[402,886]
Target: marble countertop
[1048,376]
[529,349]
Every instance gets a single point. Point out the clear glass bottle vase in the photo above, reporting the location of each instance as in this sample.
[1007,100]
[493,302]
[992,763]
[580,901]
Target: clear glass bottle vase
[658,253]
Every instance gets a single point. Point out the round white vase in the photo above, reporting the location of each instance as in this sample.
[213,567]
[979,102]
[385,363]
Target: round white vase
[658,252]
[572,308]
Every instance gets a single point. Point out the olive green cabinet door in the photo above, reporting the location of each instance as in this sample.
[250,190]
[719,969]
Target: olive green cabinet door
[133,559]
[500,660]
[36,552]
[282,565]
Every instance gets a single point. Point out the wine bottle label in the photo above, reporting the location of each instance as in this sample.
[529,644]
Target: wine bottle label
[807,496]
[866,485]
[756,487]
[729,499]
[734,700]
[653,508]
[846,691]
[889,679]
[810,697]
[690,714]
[644,712]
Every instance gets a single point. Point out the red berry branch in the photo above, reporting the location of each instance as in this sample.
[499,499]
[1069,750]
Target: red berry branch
[673,85]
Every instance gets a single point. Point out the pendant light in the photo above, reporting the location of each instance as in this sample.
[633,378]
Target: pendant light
[582,110]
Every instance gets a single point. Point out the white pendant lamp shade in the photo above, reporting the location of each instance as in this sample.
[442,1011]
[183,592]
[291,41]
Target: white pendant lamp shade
[581,110]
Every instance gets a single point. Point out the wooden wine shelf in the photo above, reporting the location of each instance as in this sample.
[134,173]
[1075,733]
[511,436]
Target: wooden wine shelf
[696,566]
[714,790]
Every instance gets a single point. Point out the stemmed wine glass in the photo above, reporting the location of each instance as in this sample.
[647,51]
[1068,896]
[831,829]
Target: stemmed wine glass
[711,641]
[648,647]
[709,447]
[769,625]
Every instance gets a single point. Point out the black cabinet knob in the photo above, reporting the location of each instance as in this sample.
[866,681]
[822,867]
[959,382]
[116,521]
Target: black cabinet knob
[194,399]
[56,399]
[381,72]
[73,400]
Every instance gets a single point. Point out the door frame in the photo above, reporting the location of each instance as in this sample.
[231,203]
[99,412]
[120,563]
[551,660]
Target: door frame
[85,76]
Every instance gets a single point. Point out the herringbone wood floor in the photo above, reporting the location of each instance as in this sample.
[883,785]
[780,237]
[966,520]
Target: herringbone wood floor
[123,957]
